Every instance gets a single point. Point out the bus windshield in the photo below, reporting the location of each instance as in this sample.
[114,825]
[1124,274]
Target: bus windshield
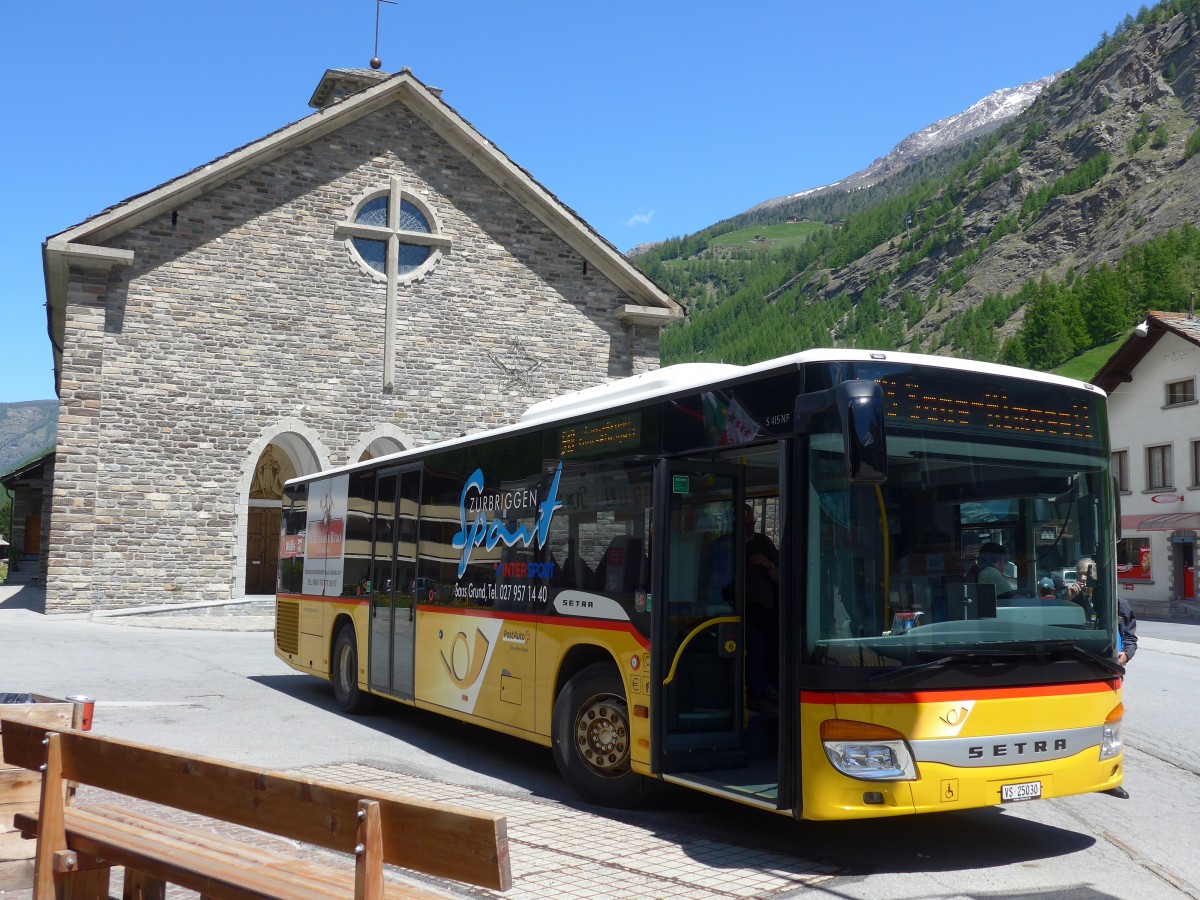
[985,542]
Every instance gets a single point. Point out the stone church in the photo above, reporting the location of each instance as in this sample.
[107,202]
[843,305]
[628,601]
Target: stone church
[373,277]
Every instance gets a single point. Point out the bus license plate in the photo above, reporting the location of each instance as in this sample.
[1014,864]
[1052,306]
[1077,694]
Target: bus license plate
[1011,793]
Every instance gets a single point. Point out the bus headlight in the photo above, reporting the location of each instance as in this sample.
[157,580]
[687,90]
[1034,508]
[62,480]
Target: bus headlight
[866,751]
[1110,739]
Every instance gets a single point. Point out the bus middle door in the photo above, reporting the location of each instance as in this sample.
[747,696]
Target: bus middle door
[697,656]
[397,589]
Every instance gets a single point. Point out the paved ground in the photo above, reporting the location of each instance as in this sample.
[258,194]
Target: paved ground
[556,851]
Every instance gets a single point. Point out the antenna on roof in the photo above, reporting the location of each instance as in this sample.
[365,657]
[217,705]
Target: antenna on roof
[376,62]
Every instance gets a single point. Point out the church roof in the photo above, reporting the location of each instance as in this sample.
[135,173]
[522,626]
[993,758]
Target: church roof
[1119,368]
[83,244]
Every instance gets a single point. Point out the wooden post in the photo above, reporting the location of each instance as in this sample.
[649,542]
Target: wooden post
[368,863]
[52,835]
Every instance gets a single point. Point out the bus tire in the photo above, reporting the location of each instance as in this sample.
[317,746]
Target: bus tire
[592,740]
[345,674]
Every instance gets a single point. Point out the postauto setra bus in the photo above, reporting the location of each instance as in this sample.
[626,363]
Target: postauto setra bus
[580,579]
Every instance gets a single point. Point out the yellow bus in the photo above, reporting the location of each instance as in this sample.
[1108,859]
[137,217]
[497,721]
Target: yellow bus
[815,585]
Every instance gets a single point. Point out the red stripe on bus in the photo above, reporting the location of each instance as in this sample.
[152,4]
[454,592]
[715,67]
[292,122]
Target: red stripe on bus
[350,601]
[603,624]
[829,698]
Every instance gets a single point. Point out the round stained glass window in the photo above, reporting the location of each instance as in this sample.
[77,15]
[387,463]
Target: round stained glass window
[406,227]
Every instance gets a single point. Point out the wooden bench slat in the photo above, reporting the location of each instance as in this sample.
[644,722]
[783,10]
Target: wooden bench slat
[201,861]
[438,839]
[173,861]
[220,845]
[18,786]
[341,880]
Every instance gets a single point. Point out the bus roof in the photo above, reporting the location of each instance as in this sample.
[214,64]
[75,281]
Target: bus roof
[687,378]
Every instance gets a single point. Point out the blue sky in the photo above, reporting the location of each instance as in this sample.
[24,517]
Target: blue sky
[649,119]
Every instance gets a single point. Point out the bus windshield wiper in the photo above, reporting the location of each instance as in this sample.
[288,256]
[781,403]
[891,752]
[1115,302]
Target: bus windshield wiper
[893,674]
[1086,655]
[952,657]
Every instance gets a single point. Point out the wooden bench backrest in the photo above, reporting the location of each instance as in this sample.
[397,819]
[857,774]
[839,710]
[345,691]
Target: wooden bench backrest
[447,841]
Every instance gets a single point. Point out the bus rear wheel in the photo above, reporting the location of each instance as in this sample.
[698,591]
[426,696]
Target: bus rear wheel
[591,739]
[345,674]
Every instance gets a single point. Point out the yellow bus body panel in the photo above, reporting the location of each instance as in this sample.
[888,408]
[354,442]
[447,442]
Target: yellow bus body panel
[489,669]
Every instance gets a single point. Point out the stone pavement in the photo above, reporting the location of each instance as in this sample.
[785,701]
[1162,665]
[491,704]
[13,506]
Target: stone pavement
[557,851]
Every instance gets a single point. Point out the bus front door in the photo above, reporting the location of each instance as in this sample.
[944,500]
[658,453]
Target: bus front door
[396,587]
[698,652]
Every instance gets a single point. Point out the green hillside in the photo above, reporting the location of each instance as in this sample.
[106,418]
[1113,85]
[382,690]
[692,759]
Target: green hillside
[1085,366]
[1033,246]
[789,234]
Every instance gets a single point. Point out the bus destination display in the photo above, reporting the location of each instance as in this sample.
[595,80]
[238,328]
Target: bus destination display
[977,406]
[600,436]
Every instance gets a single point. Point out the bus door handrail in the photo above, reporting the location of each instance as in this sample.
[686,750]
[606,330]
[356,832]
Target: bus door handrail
[719,620]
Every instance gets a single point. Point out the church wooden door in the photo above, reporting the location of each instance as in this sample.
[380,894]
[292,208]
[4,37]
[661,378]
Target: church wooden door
[262,550]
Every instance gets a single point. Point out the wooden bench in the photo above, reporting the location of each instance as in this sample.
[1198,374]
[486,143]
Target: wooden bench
[77,846]
[20,788]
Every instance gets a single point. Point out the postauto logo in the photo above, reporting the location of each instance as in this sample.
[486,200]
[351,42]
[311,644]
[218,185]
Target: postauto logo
[516,571]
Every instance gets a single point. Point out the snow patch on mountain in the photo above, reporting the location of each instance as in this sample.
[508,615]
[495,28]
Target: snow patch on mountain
[978,119]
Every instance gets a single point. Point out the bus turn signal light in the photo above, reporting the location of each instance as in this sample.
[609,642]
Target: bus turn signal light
[1110,739]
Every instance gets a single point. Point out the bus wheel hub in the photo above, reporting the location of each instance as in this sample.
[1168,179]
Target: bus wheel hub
[601,734]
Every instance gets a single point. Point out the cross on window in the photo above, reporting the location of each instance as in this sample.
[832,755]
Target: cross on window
[394,237]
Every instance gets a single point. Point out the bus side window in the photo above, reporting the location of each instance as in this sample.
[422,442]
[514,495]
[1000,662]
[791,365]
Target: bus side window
[574,572]
[621,566]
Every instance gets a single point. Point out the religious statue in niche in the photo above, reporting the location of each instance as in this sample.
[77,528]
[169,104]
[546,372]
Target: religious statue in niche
[267,483]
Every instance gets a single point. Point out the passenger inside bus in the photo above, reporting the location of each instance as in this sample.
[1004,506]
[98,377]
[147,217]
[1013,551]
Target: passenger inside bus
[762,617]
[1081,591]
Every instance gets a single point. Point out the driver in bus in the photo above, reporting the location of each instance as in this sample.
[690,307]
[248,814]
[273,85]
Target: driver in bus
[993,564]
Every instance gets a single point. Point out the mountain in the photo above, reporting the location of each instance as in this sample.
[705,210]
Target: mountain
[1030,245]
[978,120]
[27,431]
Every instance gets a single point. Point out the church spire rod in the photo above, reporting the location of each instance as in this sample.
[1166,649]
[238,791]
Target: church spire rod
[376,62]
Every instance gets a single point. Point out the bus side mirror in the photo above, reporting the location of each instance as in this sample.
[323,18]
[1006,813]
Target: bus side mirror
[861,406]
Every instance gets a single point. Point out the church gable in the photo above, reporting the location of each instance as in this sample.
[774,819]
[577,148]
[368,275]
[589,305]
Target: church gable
[268,257]
[365,286]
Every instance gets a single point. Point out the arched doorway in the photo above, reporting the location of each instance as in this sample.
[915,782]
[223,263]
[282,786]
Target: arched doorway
[274,467]
[380,446]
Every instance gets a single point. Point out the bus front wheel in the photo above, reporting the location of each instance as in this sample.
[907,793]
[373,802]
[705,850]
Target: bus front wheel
[345,674]
[591,739]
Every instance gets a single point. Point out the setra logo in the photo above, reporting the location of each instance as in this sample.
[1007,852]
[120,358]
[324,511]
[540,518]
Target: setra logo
[956,716]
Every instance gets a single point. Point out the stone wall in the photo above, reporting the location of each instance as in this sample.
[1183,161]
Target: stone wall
[244,315]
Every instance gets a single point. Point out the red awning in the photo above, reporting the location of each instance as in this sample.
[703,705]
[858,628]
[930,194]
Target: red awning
[1168,522]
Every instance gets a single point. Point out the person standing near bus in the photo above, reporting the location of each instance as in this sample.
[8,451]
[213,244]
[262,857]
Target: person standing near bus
[1126,631]
[1127,642]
